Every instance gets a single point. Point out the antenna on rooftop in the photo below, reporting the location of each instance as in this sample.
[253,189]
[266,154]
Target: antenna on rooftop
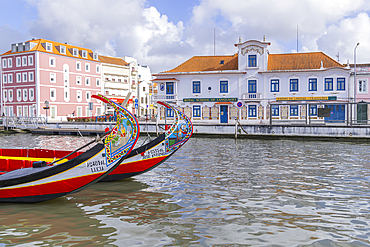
[297,38]
[214,41]
[337,56]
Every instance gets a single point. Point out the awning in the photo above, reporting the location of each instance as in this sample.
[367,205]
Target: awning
[223,103]
[120,100]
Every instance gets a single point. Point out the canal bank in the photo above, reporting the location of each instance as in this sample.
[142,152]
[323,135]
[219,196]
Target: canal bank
[260,131]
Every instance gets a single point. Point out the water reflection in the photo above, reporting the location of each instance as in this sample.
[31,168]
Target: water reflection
[213,192]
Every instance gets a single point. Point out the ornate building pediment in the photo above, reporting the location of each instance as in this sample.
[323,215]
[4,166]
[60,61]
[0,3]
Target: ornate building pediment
[256,48]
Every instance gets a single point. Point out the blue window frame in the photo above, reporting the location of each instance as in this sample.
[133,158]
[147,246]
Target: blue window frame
[293,110]
[169,112]
[328,84]
[275,85]
[341,84]
[252,111]
[275,110]
[312,84]
[224,86]
[169,87]
[196,111]
[252,86]
[196,86]
[293,85]
[252,61]
[313,110]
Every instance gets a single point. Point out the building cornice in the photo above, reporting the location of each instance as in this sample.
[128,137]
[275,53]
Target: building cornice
[302,70]
[202,72]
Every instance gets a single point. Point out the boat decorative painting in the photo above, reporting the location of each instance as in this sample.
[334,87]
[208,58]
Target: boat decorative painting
[154,153]
[29,176]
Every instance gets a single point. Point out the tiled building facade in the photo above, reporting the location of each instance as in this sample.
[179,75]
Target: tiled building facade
[253,86]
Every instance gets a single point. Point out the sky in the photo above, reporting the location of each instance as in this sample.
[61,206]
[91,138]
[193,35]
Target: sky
[163,34]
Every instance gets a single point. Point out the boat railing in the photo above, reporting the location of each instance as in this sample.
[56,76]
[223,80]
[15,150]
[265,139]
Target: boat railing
[23,122]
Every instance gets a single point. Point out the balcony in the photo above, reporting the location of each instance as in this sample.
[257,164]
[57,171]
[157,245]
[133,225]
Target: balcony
[252,96]
[164,97]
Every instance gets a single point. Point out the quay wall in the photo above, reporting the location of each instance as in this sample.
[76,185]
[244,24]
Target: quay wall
[356,132]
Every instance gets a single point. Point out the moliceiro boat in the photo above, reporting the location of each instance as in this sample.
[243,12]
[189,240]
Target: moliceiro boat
[152,154]
[35,175]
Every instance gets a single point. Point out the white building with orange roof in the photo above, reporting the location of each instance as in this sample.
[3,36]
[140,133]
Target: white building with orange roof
[41,71]
[253,86]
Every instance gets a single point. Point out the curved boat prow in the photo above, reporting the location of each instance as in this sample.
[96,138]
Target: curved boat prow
[154,153]
[30,185]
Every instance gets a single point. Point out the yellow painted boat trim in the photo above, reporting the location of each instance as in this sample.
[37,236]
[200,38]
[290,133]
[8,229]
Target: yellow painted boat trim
[32,159]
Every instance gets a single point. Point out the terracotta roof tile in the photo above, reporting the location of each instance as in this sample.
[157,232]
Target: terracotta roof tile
[40,45]
[207,63]
[300,61]
[113,60]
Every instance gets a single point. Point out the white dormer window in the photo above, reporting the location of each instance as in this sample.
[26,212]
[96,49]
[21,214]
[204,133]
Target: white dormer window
[75,52]
[49,47]
[62,49]
[95,56]
[84,54]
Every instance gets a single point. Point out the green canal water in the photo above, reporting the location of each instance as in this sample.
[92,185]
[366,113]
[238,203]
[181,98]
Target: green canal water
[212,192]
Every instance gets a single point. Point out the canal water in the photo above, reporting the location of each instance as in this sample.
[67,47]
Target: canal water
[212,192]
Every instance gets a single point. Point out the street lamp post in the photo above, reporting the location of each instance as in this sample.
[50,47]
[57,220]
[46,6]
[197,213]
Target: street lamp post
[355,82]
[46,107]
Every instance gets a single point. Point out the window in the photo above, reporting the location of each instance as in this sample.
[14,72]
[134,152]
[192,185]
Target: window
[30,76]
[293,110]
[224,87]
[19,94]
[5,77]
[252,86]
[341,85]
[196,111]
[31,94]
[87,81]
[25,94]
[10,62]
[252,111]
[19,62]
[313,110]
[170,112]
[10,93]
[52,78]
[30,60]
[169,87]
[84,54]
[97,82]
[97,68]
[196,86]
[293,85]
[49,47]
[19,77]
[62,49]
[143,89]
[4,63]
[142,100]
[24,61]
[52,62]
[275,110]
[312,84]
[53,94]
[87,67]
[88,96]
[275,85]
[78,80]
[79,95]
[5,95]
[362,87]
[75,52]
[78,66]
[24,77]
[10,78]
[328,84]
[252,61]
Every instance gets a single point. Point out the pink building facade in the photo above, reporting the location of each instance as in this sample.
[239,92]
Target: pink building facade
[40,71]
